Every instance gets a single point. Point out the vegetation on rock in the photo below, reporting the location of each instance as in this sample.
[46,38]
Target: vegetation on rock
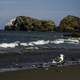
[70,24]
[23,23]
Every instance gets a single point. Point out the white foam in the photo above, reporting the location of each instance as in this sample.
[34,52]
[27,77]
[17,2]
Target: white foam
[73,40]
[8,45]
[69,41]
[30,44]
[40,42]
[33,43]
[23,44]
[10,22]
[58,41]
[17,43]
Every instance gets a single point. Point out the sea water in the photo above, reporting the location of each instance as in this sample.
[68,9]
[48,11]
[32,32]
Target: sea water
[35,47]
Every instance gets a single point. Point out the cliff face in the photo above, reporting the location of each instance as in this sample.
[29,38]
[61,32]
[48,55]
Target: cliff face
[23,23]
[70,24]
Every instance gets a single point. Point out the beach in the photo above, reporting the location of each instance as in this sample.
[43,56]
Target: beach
[21,50]
[64,73]
[39,39]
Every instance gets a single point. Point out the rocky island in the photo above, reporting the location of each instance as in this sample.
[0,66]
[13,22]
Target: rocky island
[23,23]
[69,24]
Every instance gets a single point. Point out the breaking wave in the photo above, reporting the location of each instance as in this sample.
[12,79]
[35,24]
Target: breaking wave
[41,42]
[68,41]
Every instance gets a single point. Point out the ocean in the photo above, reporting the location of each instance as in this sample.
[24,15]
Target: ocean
[21,49]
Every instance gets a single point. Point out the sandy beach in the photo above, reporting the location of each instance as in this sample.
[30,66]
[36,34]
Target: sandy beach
[64,73]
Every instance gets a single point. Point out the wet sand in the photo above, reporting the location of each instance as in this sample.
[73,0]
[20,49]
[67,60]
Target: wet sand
[65,73]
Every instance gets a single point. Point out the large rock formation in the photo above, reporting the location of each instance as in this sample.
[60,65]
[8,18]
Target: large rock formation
[23,23]
[70,24]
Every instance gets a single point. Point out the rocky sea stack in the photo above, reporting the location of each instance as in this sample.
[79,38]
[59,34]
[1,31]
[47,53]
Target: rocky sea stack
[70,24]
[23,23]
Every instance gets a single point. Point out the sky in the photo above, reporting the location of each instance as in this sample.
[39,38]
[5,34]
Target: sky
[43,9]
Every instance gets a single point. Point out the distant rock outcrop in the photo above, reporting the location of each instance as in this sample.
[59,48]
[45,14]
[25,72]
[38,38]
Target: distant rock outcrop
[23,23]
[70,24]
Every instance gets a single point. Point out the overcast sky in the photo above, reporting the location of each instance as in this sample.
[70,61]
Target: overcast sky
[43,9]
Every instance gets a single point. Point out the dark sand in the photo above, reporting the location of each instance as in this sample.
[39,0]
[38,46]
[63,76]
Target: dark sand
[65,73]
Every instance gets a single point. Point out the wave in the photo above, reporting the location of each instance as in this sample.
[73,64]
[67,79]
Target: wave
[69,41]
[8,45]
[40,42]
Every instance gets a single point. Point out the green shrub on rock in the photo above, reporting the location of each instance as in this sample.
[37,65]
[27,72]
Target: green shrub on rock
[70,24]
[23,23]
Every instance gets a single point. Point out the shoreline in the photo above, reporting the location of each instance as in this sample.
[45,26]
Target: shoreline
[65,73]
[45,66]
